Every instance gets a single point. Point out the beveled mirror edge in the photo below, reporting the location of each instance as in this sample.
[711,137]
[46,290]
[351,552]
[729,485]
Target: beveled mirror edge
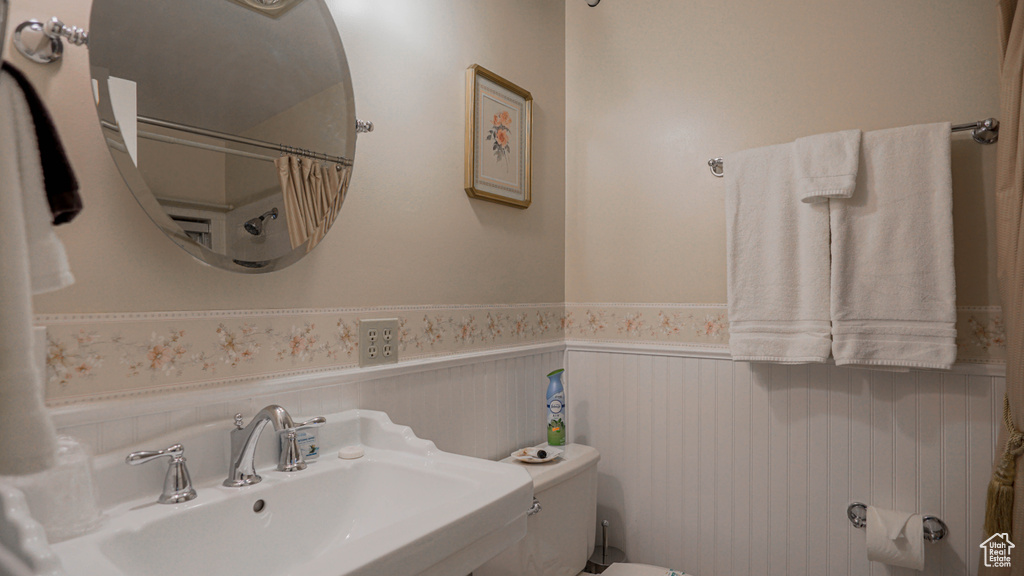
[158,214]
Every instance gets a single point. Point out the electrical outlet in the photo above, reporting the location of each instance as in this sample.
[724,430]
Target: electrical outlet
[378,341]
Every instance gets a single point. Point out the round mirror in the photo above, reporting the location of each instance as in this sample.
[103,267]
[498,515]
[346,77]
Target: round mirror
[232,121]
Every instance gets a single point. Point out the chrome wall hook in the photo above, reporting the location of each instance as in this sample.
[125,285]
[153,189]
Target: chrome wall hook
[363,126]
[42,42]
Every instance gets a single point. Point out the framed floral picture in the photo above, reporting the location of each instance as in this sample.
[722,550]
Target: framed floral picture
[499,127]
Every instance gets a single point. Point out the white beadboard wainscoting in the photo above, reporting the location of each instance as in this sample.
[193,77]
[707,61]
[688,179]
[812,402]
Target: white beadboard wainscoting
[710,466]
[483,404]
[722,468]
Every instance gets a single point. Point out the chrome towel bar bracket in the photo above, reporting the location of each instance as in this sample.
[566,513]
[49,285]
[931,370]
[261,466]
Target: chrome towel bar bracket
[934,528]
[363,126]
[983,132]
[717,166]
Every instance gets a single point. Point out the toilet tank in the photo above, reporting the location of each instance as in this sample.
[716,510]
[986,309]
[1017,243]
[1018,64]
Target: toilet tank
[560,538]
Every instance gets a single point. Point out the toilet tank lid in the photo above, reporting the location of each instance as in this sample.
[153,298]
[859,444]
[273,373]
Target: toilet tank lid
[575,459]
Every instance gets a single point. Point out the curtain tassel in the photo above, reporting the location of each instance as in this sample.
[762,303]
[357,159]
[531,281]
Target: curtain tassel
[999,508]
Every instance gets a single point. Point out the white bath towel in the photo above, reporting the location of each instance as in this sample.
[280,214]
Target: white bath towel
[893,289]
[34,261]
[778,262]
[826,165]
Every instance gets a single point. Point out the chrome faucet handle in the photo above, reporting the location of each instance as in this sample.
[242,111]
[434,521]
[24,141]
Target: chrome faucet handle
[177,483]
[291,457]
[176,451]
[239,422]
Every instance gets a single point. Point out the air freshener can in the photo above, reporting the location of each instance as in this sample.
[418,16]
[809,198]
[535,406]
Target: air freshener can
[556,409]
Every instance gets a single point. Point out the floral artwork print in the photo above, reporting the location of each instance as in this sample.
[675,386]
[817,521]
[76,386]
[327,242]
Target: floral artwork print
[499,119]
[501,135]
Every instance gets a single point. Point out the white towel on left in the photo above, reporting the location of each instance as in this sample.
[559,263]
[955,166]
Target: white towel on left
[34,261]
[826,165]
[777,261]
[893,287]
[22,174]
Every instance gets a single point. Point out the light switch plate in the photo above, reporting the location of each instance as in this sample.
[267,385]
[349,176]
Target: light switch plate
[378,342]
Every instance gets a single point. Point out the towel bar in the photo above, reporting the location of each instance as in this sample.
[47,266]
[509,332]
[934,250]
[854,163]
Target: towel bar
[934,528]
[983,131]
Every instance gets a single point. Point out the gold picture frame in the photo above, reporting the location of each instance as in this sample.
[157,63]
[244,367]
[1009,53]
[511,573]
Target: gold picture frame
[499,139]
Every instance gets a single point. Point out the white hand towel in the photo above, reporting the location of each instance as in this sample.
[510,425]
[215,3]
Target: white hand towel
[895,538]
[34,261]
[893,289]
[778,262]
[826,165]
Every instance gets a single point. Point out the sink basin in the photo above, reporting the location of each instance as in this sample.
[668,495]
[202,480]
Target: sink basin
[405,507]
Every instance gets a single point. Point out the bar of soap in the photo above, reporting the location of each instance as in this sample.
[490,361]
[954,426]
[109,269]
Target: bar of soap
[351,452]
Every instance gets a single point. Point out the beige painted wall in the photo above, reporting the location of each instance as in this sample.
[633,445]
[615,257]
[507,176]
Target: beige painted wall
[656,88]
[408,233]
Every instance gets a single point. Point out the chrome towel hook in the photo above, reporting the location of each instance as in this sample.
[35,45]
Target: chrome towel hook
[41,42]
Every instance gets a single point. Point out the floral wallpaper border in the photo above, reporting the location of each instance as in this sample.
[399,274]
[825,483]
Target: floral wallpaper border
[691,324]
[980,335]
[102,356]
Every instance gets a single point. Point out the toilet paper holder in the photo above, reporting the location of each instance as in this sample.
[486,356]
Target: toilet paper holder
[934,528]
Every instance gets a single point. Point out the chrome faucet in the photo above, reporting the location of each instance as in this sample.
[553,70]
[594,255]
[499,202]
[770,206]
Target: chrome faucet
[243,445]
[177,483]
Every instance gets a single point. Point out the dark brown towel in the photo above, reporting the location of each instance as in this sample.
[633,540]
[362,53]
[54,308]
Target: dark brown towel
[60,181]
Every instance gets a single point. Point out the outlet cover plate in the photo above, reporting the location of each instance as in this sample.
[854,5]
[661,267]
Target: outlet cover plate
[378,341]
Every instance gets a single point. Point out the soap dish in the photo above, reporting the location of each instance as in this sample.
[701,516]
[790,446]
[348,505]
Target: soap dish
[532,456]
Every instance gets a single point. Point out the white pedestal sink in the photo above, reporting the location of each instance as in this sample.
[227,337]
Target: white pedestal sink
[405,508]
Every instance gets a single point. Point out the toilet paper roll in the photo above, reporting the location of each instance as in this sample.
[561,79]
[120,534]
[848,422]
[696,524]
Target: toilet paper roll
[895,538]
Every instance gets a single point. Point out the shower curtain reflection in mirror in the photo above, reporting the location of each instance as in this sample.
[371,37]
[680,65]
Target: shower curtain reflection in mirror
[313,194]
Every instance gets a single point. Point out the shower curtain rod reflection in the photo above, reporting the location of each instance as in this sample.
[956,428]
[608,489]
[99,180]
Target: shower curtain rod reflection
[282,148]
[983,131]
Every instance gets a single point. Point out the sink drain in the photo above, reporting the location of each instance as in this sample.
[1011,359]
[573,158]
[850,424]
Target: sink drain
[259,506]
